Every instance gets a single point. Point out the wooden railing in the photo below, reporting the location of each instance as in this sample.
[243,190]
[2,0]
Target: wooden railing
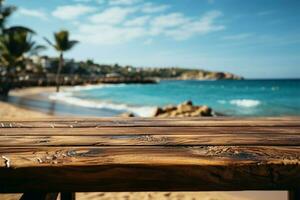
[43,158]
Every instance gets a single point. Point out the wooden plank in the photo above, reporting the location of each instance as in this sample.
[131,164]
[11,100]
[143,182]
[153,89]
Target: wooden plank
[195,155]
[105,119]
[151,122]
[108,131]
[137,154]
[162,140]
[142,168]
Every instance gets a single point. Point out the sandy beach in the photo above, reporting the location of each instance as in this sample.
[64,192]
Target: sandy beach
[12,112]
[9,111]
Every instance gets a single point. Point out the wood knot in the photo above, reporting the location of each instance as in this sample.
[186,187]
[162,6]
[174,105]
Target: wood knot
[6,161]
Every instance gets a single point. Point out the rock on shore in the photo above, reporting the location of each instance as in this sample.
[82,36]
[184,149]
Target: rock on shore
[186,109]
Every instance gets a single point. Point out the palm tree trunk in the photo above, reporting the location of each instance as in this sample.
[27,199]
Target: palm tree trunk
[4,89]
[6,84]
[60,65]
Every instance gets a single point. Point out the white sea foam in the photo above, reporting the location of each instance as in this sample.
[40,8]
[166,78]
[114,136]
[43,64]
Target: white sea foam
[67,97]
[245,102]
[91,87]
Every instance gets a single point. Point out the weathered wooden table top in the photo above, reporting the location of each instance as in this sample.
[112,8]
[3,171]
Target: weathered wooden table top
[136,154]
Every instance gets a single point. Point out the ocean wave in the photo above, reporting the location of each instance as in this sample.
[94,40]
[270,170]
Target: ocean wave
[92,87]
[245,102]
[241,102]
[67,97]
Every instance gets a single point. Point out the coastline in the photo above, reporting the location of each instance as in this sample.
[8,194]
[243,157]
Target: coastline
[46,100]
[21,92]
[10,111]
[225,98]
[17,111]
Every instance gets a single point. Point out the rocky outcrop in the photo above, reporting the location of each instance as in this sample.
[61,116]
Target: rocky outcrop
[205,75]
[186,109]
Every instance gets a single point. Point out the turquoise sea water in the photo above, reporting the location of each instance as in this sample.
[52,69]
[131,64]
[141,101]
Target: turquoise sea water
[237,98]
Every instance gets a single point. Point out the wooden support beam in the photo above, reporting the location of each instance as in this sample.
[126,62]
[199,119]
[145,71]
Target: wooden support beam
[67,196]
[294,194]
[39,196]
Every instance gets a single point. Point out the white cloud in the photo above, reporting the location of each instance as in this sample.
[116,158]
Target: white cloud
[123,2]
[113,26]
[106,34]
[152,8]
[32,13]
[169,20]
[180,27]
[139,21]
[238,36]
[69,12]
[114,15]
[88,1]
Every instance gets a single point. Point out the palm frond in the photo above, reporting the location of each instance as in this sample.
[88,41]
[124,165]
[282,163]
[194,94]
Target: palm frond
[72,43]
[37,48]
[62,41]
[15,44]
[50,43]
[19,29]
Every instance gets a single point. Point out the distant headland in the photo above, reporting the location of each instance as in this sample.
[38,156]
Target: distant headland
[40,71]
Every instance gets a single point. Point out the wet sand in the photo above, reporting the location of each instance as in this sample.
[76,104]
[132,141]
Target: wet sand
[12,112]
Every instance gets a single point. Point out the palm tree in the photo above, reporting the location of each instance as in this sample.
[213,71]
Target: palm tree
[14,43]
[5,12]
[62,44]
[13,46]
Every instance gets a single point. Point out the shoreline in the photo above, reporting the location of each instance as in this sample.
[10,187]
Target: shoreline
[15,111]
[46,100]
[37,99]
[73,102]
[9,111]
[31,91]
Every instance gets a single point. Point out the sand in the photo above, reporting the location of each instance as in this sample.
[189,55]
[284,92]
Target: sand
[11,112]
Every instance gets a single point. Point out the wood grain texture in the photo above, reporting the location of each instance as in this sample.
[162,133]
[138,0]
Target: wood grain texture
[146,131]
[154,122]
[114,154]
[154,140]
[142,168]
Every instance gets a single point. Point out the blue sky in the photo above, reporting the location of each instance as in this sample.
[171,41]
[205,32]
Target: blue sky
[255,39]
